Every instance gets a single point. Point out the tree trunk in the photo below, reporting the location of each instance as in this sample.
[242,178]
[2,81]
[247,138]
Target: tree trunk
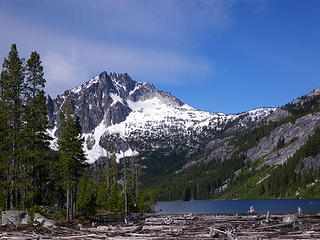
[8,198]
[68,205]
[24,198]
[12,191]
[125,192]
[136,184]
[132,181]
[107,165]
[75,199]
[71,204]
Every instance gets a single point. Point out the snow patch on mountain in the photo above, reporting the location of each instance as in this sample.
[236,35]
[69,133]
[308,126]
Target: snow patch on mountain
[53,144]
[116,98]
[114,106]
[260,113]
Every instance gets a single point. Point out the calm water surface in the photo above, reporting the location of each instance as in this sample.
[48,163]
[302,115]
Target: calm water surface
[239,206]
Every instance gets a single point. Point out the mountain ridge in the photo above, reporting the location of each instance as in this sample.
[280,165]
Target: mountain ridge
[114,106]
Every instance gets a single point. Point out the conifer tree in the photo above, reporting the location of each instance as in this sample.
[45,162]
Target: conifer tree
[36,124]
[72,158]
[12,97]
[4,166]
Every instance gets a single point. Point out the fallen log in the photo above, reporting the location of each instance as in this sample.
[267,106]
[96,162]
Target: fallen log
[137,229]
[275,226]
[227,233]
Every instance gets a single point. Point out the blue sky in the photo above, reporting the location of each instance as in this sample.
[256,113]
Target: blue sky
[216,55]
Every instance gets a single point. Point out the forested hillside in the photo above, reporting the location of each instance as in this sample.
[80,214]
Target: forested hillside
[278,159]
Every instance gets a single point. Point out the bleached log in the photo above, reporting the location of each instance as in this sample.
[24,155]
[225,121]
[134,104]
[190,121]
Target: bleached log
[227,233]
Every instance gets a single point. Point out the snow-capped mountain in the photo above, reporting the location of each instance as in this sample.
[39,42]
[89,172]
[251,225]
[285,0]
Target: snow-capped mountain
[136,116]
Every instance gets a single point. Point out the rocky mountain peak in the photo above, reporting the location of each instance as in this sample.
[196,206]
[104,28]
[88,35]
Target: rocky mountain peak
[114,108]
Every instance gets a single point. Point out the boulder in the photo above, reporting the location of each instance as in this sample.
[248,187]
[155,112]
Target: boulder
[14,218]
[290,218]
[43,221]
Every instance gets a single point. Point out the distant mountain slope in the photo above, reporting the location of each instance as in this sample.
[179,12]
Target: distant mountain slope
[136,116]
[279,158]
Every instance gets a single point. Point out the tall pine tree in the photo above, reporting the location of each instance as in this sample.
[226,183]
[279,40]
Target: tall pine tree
[36,124]
[12,108]
[4,166]
[72,157]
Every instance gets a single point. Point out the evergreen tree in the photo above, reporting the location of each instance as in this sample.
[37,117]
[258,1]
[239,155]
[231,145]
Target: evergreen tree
[4,166]
[36,125]
[12,108]
[72,158]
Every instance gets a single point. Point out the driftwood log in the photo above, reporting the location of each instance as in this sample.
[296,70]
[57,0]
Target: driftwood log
[184,227]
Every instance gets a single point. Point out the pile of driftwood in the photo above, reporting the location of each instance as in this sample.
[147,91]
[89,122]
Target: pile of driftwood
[185,227]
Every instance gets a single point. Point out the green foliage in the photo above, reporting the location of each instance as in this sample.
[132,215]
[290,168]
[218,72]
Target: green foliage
[308,104]
[161,162]
[87,204]
[153,198]
[70,143]
[72,158]
[201,181]
[35,127]
[115,202]
[12,93]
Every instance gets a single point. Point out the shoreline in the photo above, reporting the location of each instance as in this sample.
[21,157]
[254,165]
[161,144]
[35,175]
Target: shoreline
[280,226]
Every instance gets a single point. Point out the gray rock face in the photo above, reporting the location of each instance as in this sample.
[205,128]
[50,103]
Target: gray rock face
[51,116]
[222,152]
[14,218]
[277,115]
[310,163]
[90,142]
[116,114]
[294,134]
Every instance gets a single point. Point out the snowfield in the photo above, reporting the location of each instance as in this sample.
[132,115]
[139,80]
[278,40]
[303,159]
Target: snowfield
[156,113]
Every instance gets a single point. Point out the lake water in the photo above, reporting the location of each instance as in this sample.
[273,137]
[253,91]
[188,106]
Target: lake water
[275,206]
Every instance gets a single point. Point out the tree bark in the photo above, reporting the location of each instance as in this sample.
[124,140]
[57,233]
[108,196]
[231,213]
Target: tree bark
[68,205]
[125,192]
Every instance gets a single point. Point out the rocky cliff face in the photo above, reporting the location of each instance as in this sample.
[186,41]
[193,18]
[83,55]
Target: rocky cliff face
[292,134]
[136,116]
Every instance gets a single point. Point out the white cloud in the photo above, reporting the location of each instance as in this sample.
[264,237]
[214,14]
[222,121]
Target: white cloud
[61,72]
[71,61]
[118,36]
[73,65]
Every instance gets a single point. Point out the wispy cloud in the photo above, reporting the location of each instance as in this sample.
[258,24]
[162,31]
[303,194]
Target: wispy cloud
[62,72]
[80,61]
[78,39]
[69,61]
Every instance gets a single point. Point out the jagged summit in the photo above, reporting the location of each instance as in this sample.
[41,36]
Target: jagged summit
[114,108]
